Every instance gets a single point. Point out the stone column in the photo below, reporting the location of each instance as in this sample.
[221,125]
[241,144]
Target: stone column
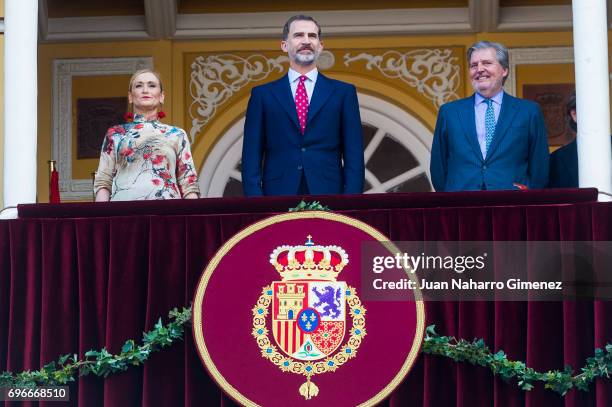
[20,101]
[592,95]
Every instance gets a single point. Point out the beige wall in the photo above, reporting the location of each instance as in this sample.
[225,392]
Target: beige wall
[173,58]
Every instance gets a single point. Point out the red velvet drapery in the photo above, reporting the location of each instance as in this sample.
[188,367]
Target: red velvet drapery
[76,277]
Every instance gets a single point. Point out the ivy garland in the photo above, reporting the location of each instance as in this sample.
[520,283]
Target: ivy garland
[477,353]
[102,363]
[309,206]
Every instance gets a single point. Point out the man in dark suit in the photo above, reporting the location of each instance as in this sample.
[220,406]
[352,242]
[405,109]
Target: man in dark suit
[564,160]
[302,133]
[489,140]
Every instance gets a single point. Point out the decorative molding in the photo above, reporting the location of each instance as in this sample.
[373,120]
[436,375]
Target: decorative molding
[535,56]
[161,20]
[160,16]
[63,72]
[535,18]
[432,72]
[336,22]
[96,28]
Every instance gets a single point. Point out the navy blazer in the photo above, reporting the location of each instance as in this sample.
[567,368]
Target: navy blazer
[329,154]
[518,152]
[564,167]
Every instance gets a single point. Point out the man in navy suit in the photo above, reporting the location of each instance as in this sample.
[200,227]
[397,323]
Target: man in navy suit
[302,133]
[490,140]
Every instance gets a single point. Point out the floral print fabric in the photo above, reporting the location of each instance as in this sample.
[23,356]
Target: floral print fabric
[146,160]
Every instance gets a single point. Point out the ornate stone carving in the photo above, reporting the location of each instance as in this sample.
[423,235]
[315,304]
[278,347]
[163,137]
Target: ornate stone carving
[216,78]
[432,72]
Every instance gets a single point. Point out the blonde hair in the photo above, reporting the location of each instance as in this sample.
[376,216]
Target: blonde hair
[146,70]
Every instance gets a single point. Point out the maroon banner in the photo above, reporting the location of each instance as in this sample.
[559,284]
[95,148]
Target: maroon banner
[278,317]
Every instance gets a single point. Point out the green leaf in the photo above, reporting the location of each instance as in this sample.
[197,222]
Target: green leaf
[309,206]
[430,331]
[127,346]
[62,359]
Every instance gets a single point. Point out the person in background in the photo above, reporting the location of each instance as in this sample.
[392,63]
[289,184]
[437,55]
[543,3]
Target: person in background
[144,158]
[564,160]
[490,140]
[302,133]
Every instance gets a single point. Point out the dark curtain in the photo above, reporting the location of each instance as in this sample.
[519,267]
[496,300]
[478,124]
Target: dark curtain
[72,284]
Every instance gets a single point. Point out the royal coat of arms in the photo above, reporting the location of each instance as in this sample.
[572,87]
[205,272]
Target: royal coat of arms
[306,311]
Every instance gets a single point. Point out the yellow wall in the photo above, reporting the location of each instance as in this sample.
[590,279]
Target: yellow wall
[538,74]
[172,59]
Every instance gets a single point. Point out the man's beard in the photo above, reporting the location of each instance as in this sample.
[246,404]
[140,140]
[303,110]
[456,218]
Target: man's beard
[306,59]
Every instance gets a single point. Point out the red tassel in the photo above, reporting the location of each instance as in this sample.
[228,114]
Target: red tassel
[161,114]
[54,194]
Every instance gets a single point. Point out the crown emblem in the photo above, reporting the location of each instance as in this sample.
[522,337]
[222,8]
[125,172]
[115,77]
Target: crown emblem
[309,261]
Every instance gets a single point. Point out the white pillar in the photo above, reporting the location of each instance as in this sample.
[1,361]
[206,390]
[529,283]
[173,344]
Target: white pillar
[592,96]
[20,100]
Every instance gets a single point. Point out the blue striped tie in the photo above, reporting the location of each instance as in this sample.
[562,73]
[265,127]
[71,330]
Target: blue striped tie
[489,124]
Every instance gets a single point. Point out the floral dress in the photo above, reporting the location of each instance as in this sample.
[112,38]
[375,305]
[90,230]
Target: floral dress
[146,160]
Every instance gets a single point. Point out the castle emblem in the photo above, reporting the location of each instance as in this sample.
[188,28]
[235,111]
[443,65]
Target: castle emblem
[306,311]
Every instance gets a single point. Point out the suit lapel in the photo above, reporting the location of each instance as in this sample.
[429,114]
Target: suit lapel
[322,90]
[467,118]
[508,110]
[282,92]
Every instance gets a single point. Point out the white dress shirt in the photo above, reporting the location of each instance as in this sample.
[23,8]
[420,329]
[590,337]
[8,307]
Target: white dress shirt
[309,83]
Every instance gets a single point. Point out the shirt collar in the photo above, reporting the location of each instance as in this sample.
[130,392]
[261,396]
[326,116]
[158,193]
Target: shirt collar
[478,98]
[294,75]
[140,118]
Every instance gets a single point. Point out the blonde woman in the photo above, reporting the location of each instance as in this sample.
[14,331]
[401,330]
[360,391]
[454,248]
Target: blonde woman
[144,158]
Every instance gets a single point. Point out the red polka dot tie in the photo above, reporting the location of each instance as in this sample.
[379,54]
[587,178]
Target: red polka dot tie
[301,103]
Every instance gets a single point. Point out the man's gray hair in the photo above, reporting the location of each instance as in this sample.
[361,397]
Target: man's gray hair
[501,53]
